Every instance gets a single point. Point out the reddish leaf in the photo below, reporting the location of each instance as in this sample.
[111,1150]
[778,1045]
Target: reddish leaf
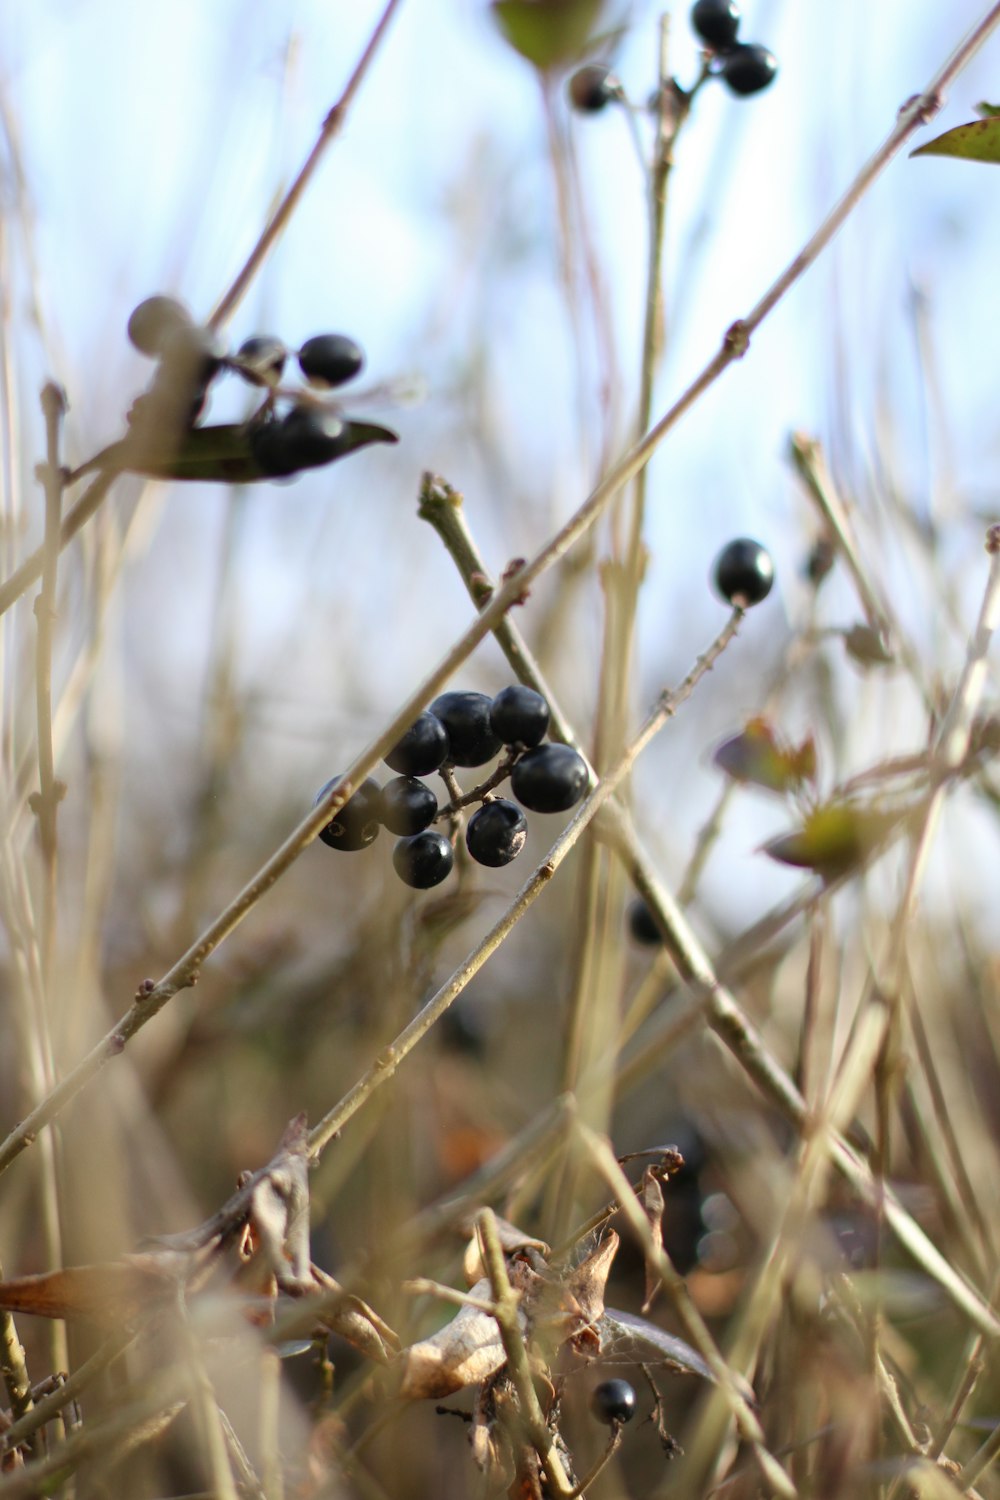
[759,757]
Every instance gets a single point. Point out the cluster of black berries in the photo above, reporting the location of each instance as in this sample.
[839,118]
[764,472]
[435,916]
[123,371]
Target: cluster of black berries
[744,67]
[303,434]
[462,729]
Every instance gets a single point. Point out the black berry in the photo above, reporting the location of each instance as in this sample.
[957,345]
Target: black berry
[423,860]
[748,68]
[520,716]
[408,805]
[422,749]
[642,924]
[330,359]
[304,438]
[716,22]
[356,824]
[613,1402]
[592,87]
[262,360]
[155,321]
[743,572]
[466,717]
[496,833]
[549,779]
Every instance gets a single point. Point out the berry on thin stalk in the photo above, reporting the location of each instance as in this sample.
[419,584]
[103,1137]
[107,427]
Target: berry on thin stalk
[549,779]
[613,1402]
[743,573]
[423,860]
[330,359]
[716,22]
[748,68]
[466,717]
[496,833]
[520,716]
[408,805]
[642,924]
[422,749]
[355,825]
[593,87]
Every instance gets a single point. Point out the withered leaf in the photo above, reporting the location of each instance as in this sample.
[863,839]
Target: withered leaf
[511,1239]
[630,1340]
[651,1197]
[113,1292]
[464,1352]
[583,1295]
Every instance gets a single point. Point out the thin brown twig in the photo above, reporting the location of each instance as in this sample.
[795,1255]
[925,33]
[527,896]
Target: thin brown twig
[279,220]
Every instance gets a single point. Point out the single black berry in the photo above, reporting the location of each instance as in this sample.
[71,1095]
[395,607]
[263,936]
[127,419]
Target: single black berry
[330,359]
[423,860]
[748,68]
[261,360]
[466,717]
[461,1029]
[422,748]
[308,437]
[154,321]
[356,824]
[613,1402]
[592,87]
[743,572]
[520,716]
[642,924]
[716,22]
[408,805]
[549,779]
[496,833]
[304,438]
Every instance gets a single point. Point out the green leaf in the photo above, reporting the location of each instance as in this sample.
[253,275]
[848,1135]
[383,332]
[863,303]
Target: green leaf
[833,839]
[978,141]
[987,109]
[221,454]
[757,756]
[548,33]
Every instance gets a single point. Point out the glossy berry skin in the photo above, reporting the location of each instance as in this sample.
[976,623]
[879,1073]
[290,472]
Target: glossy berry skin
[549,779]
[356,824]
[496,833]
[408,805]
[330,359]
[423,860]
[466,717]
[592,88]
[303,439]
[308,437]
[520,716]
[748,68]
[716,22]
[743,573]
[155,321]
[262,360]
[423,748]
[642,925]
[613,1402]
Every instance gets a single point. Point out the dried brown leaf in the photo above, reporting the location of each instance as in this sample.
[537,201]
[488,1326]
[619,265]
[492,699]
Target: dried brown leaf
[464,1352]
[511,1238]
